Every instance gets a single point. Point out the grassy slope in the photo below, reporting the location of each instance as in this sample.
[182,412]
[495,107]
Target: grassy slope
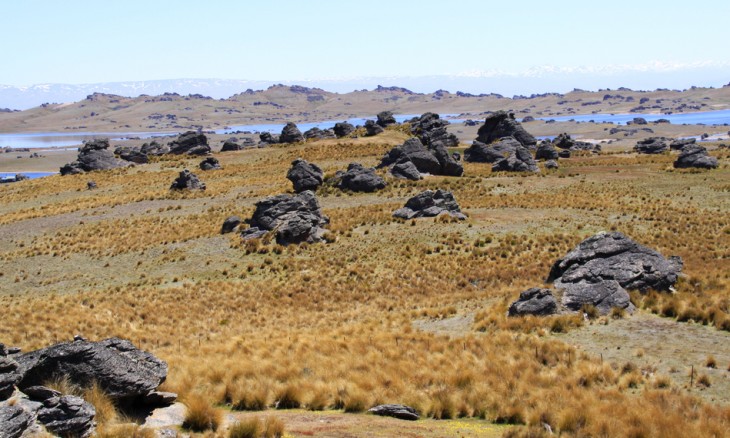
[332,326]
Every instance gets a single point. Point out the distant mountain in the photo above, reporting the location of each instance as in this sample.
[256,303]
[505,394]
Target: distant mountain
[533,81]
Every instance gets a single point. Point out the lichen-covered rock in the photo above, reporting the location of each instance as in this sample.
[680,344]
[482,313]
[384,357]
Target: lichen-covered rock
[695,156]
[503,124]
[305,175]
[430,203]
[187,180]
[613,256]
[294,218]
[9,376]
[534,301]
[360,179]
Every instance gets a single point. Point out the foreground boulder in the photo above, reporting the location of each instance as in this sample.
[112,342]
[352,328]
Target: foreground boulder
[503,124]
[190,143]
[124,372]
[360,179]
[187,181]
[291,134]
[651,145]
[406,170]
[534,301]
[385,119]
[15,421]
[343,129]
[210,163]
[695,156]
[305,175]
[434,160]
[429,204]
[479,152]
[67,416]
[293,218]
[402,412]
[615,257]
[430,128]
[94,155]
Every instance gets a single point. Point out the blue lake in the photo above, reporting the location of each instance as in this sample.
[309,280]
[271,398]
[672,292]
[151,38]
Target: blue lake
[66,139]
[721,117]
[31,175]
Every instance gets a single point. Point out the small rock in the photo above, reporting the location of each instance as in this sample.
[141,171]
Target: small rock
[551,164]
[40,393]
[361,179]
[291,134]
[67,415]
[343,129]
[187,181]
[230,224]
[534,301]
[372,128]
[385,118]
[546,151]
[305,175]
[210,163]
[401,412]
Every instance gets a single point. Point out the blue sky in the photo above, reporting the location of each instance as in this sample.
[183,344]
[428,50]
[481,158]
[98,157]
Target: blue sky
[75,41]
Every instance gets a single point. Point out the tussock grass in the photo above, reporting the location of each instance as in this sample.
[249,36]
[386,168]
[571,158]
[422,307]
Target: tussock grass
[200,415]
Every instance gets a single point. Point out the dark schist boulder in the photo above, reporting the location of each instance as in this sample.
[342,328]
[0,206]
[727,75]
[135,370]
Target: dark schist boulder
[429,204]
[124,372]
[210,163]
[680,143]
[230,224]
[67,416]
[9,376]
[229,146]
[519,160]
[372,128]
[291,134]
[293,218]
[360,179]
[546,151]
[406,170]
[319,134]
[15,421]
[385,118]
[434,160]
[551,164]
[305,175]
[430,128]
[534,301]
[479,152]
[604,295]
[154,149]
[503,124]
[94,155]
[615,257]
[695,156]
[187,181]
[134,155]
[566,143]
[190,143]
[651,145]
[401,412]
[269,138]
[343,129]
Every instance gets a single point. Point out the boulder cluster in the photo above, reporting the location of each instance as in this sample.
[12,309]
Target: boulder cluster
[292,218]
[431,159]
[127,375]
[599,272]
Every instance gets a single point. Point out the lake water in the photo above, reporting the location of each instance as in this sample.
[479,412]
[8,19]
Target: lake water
[31,175]
[65,139]
[721,117]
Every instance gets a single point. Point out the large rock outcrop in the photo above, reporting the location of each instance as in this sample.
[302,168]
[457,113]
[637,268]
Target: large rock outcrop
[479,152]
[695,156]
[94,155]
[503,124]
[519,160]
[433,159]
[154,149]
[360,179]
[293,218]
[430,128]
[430,203]
[291,134]
[305,175]
[614,257]
[124,372]
[651,145]
[604,295]
[406,170]
[190,143]
[534,301]
[267,138]
[187,180]
[319,134]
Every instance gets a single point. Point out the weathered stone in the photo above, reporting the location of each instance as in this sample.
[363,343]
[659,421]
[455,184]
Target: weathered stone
[190,143]
[651,145]
[551,164]
[520,160]
[695,156]
[91,185]
[401,412]
[361,179]
[269,138]
[14,421]
[230,224]
[187,181]
[67,416]
[479,152]
[134,156]
[291,134]
[534,301]
[305,175]
[430,128]
[613,256]
[680,143]
[429,204]
[503,124]
[40,393]
[565,142]
[294,218]
[229,146]
[343,129]
[123,371]
[406,170]
[372,128]
[546,151]
[94,155]
[319,134]
[154,149]
[385,118]
[604,295]
[434,160]
[9,376]
[210,163]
